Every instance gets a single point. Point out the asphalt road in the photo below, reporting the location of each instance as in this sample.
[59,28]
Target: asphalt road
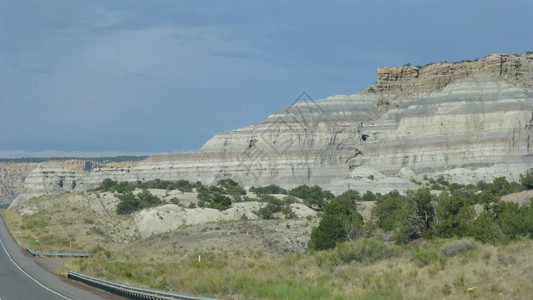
[23,279]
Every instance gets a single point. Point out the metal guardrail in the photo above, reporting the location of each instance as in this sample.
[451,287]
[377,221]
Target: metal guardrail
[128,291]
[37,253]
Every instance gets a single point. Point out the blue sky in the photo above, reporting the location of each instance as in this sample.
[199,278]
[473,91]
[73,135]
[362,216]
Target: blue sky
[159,76]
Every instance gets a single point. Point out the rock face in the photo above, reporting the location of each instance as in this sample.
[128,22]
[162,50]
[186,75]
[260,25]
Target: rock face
[12,179]
[470,121]
[406,83]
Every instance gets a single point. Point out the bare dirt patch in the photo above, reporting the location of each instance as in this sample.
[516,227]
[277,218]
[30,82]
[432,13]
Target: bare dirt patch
[522,198]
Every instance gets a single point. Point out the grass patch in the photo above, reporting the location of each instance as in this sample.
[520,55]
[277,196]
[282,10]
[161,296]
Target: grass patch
[366,251]
[423,257]
[34,222]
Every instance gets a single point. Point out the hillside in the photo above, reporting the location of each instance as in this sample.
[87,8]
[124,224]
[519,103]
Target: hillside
[174,247]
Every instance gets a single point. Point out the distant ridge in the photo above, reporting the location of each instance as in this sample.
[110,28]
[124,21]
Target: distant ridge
[13,154]
[103,159]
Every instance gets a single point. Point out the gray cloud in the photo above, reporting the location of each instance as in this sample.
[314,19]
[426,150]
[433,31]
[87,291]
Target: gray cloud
[99,17]
[166,75]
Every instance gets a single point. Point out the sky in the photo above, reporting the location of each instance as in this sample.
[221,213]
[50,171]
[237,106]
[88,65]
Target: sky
[127,76]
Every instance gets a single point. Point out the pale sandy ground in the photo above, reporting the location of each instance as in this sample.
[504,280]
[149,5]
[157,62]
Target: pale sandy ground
[169,217]
[522,198]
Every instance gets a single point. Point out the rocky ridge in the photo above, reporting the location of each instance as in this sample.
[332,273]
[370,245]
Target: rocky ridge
[407,82]
[470,121]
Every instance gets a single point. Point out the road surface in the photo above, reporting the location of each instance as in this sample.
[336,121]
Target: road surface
[23,279]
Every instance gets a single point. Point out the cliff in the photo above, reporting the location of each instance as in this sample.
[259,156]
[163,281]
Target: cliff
[406,83]
[469,121]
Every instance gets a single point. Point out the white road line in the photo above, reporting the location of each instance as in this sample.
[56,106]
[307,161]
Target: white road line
[45,287]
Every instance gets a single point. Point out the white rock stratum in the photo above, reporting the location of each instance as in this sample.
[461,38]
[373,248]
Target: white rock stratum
[477,127]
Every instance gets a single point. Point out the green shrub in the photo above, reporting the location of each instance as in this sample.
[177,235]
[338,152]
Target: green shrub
[442,181]
[108,185]
[231,187]
[527,179]
[329,232]
[352,195]
[130,203]
[423,257]
[453,217]
[514,220]
[485,229]
[416,216]
[500,186]
[503,221]
[265,213]
[339,222]
[183,185]
[365,250]
[457,247]
[326,259]
[213,200]
[387,211]
[273,205]
[268,190]
[368,196]
[124,187]
[220,202]
[215,196]
[312,196]
[289,200]
[288,212]
[148,199]
[88,221]
[157,184]
[204,194]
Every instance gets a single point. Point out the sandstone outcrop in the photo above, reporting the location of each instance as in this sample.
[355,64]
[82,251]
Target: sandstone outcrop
[470,121]
[405,83]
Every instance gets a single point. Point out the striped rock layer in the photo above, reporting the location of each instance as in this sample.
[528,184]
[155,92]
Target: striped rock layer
[477,127]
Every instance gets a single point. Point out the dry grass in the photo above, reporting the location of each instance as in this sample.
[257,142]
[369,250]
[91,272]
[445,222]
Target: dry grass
[246,260]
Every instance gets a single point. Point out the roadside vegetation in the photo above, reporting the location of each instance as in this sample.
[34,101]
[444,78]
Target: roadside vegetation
[464,243]
[420,214]
[361,269]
